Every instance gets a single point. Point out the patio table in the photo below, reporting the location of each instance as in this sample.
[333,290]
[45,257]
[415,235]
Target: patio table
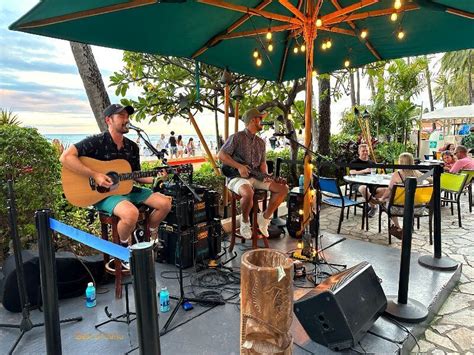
[369,179]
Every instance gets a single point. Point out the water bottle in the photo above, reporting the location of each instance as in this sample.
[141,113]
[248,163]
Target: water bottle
[164,300]
[90,295]
[301,183]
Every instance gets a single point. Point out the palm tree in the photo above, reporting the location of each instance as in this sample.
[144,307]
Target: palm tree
[8,118]
[457,66]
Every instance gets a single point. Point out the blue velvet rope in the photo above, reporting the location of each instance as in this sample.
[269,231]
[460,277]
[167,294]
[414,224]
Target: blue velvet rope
[90,240]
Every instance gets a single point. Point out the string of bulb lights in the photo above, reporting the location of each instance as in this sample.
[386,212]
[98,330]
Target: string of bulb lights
[327,42]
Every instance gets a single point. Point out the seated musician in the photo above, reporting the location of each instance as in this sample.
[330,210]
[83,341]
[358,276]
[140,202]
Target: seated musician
[110,145]
[245,151]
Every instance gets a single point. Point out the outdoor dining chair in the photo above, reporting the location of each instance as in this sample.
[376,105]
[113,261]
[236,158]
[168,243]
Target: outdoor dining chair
[333,197]
[395,207]
[452,186]
[468,186]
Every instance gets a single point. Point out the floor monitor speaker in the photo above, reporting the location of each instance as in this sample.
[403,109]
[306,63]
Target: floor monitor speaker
[339,311]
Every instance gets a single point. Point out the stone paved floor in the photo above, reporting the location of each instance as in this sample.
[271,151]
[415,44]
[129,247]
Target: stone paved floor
[452,330]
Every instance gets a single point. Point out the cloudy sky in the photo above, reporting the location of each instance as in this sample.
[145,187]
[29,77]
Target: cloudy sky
[39,81]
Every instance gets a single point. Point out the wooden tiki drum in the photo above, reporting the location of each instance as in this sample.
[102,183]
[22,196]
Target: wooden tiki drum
[266,310]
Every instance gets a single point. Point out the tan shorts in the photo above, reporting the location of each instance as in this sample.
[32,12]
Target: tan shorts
[235,184]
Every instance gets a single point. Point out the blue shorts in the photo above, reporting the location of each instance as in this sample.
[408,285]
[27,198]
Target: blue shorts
[137,196]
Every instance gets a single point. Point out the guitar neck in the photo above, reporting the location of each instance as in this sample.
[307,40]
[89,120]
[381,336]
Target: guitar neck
[138,174]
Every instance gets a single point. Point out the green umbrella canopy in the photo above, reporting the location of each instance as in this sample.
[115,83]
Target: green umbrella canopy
[187,29]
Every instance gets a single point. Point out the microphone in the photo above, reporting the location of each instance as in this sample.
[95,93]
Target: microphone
[270,123]
[283,134]
[130,126]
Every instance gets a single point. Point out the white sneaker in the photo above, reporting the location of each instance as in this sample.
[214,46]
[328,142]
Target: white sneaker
[245,229]
[263,224]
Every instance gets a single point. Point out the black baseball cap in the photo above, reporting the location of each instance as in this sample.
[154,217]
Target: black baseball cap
[117,108]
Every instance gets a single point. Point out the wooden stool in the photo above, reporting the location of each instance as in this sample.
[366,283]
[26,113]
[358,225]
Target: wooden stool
[106,221]
[259,195]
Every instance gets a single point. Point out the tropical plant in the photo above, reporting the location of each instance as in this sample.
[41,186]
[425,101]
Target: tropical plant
[458,68]
[8,118]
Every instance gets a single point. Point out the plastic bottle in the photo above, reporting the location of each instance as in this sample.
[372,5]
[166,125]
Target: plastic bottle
[90,295]
[164,300]
[301,182]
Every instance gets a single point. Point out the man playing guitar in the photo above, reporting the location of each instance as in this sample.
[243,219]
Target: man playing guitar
[245,151]
[111,145]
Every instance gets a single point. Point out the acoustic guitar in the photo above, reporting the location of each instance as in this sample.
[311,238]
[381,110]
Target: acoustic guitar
[231,172]
[82,191]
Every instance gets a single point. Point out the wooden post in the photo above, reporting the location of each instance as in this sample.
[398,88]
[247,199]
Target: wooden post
[204,143]
[226,111]
[309,36]
[236,127]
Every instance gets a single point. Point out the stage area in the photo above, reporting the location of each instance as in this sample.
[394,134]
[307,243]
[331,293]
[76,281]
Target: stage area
[215,330]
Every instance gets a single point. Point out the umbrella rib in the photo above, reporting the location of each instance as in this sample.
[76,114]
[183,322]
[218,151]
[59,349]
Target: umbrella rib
[87,13]
[338,30]
[355,28]
[374,13]
[287,48]
[256,32]
[289,6]
[213,41]
[345,10]
[249,10]
[453,11]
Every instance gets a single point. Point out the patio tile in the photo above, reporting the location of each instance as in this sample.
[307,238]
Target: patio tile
[439,340]
[464,317]
[463,337]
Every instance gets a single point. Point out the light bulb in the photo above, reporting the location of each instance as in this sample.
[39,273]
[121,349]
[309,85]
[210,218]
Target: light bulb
[400,34]
[301,212]
[315,73]
[270,46]
[394,17]
[364,33]
[311,166]
[303,48]
[397,4]
[255,53]
[269,35]
[259,62]
[290,116]
[324,46]
[295,50]
[299,245]
[329,44]
[347,63]
[319,22]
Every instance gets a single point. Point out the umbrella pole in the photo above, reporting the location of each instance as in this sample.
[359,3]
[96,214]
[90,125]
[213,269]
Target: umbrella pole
[204,143]
[236,127]
[309,35]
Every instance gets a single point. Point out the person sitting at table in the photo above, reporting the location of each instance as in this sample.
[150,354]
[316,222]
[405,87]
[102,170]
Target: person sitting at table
[464,162]
[448,159]
[448,146]
[367,193]
[399,177]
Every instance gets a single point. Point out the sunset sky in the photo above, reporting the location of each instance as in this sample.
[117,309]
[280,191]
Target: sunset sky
[39,81]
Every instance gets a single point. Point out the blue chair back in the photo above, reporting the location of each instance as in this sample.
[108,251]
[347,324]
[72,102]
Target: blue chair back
[329,185]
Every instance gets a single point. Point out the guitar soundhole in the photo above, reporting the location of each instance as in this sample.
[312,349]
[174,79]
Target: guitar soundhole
[115,180]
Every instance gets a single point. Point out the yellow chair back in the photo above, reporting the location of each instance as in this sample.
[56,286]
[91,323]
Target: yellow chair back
[470,175]
[423,195]
[452,182]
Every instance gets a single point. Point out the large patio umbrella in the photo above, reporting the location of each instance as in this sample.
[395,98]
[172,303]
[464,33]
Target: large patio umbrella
[274,40]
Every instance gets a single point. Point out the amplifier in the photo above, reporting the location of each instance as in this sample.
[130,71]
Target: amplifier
[187,209]
[198,243]
[294,221]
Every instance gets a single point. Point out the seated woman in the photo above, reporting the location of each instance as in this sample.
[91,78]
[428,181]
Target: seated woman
[448,159]
[447,147]
[399,177]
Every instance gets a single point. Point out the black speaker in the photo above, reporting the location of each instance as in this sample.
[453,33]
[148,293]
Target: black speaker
[339,311]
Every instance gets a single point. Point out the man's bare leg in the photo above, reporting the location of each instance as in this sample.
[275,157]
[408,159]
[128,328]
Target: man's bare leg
[127,213]
[246,201]
[278,195]
[161,205]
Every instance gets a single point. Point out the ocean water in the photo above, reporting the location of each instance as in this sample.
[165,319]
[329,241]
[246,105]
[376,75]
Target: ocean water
[68,139]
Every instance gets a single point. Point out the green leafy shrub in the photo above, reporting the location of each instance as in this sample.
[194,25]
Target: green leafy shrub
[206,176]
[388,152]
[285,168]
[31,163]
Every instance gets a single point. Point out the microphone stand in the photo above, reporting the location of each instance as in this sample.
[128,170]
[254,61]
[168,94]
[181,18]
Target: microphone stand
[314,227]
[159,154]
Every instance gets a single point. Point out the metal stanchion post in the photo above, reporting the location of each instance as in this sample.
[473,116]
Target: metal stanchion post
[437,262]
[144,285]
[49,289]
[401,307]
